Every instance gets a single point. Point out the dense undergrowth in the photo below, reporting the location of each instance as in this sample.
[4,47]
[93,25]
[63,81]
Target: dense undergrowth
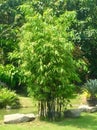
[8,98]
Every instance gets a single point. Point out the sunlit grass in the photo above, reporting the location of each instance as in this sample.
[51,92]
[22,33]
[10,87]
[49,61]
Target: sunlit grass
[85,122]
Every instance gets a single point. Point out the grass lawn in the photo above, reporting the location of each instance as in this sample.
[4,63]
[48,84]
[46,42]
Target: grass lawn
[87,121]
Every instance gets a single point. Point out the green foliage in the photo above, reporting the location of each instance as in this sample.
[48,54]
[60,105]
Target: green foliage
[86,31]
[8,98]
[12,77]
[58,6]
[56,44]
[10,21]
[6,75]
[91,87]
[46,53]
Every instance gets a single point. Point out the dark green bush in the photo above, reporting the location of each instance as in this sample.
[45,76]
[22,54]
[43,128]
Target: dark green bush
[8,98]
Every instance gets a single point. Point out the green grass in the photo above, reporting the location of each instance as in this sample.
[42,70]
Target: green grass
[27,102]
[85,122]
[78,100]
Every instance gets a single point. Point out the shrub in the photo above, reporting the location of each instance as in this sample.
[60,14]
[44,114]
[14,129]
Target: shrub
[8,98]
[91,87]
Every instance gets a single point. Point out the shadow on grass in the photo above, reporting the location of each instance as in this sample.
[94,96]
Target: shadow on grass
[86,121]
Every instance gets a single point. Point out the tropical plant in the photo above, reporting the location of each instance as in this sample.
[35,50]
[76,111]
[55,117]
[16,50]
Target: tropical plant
[46,54]
[13,77]
[11,20]
[8,98]
[90,88]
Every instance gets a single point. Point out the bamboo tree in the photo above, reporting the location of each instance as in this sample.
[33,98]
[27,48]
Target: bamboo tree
[47,56]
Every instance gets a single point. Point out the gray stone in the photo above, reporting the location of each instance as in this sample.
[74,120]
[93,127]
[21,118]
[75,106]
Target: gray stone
[30,116]
[8,107]
[18,118]
[86,108]
[92,110]
[3,84]
[73,113]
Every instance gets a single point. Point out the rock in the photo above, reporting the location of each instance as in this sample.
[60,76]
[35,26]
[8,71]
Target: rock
[93,109]
[18,118]
[30,116]
[86,108]
[73,113]
[83,108]
[8,107]
[3,84]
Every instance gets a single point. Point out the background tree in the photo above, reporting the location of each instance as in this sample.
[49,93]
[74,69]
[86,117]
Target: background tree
[86,31]
[11,20]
